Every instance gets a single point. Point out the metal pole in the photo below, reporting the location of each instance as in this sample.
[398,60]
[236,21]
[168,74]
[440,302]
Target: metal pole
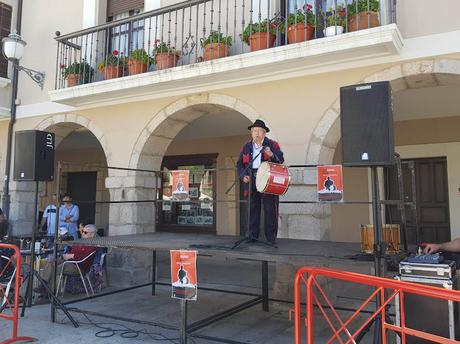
[265,286]
[32,248]
[154,271]
[378,242]
[183,323]
[378,247]
[14,93]
[56,231]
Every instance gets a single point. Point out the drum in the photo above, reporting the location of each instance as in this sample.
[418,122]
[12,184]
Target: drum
[367,238]
[391,235]
[392,238]
[272,178]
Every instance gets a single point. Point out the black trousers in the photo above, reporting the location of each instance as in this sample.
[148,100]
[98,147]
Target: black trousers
[270,207]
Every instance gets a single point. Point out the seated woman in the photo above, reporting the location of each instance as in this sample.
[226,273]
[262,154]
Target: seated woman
[77,252]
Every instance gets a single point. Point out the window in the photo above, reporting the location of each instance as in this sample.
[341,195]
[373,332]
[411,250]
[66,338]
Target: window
[129,36]
[5,29]
[198,214]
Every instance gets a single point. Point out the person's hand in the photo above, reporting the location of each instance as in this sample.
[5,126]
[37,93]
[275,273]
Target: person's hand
[246,179]
[431,248]
[268,151]
[68,256]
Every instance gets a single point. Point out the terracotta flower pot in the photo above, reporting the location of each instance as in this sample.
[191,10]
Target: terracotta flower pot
[214,51]
[73,80]
[165,60]
[359,21]
[258,41]
[111,72]
[300,32]
[137,67]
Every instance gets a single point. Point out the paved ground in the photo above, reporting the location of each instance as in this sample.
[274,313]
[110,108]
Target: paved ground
[138,305]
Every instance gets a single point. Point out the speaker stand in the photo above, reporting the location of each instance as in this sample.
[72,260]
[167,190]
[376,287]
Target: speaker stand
[379,249]
[32,248]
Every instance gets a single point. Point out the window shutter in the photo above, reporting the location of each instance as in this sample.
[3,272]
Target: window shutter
[115,7]
[5,29]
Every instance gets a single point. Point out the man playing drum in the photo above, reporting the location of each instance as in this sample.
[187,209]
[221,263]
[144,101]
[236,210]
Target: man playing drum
[269,151]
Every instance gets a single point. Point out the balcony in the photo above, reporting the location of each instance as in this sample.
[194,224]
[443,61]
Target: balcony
[211,44]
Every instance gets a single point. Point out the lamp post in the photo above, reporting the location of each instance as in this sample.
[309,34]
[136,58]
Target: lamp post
[13,49]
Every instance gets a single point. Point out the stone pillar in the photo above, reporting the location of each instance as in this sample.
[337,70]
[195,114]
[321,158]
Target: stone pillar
[303,220]
[132,217]
[128,267]
[22,208]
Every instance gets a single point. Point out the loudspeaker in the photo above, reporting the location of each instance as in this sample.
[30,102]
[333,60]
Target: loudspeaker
[33,156]
[367,124]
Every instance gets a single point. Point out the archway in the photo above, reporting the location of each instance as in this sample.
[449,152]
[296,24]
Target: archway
[83,160]
[418,87]
[159,136]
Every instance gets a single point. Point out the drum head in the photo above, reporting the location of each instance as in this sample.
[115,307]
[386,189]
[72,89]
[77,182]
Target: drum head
[263,175]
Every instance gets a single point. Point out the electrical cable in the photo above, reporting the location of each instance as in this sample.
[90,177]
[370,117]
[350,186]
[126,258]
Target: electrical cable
[108,330]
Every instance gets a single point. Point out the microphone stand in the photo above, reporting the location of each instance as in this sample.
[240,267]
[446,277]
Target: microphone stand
[247,238]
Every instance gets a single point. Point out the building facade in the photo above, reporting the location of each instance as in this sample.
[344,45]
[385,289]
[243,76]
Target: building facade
[195,115]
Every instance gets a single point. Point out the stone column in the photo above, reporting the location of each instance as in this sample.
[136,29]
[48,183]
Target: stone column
[132,217]
[21,218]
[303,220]
[128,267]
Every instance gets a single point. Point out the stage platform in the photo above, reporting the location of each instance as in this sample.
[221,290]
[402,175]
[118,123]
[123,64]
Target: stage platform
[290,251]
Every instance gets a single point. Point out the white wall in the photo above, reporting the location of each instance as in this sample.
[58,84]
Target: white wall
[451,152]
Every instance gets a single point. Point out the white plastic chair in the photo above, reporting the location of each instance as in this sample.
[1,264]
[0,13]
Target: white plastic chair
[82,277]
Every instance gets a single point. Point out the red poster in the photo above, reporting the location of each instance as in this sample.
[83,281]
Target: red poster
[330,183]
[180,187]
[183,274]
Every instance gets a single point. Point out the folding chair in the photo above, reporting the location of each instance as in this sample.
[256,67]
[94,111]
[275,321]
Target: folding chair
[84,277]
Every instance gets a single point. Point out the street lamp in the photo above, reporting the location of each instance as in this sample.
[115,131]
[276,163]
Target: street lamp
[13,49]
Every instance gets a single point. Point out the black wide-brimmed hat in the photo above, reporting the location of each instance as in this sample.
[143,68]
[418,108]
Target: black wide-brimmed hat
[259,124]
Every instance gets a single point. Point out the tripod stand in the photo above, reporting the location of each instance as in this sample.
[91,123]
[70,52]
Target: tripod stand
[53,299]
[248,238]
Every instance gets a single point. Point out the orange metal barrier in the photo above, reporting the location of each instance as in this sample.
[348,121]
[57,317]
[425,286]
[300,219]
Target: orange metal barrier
[10,310]
[386,289]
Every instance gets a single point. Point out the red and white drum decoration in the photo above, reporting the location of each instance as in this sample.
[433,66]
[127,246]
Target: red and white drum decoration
[272,178]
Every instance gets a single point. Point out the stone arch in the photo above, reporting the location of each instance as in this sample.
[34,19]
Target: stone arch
[62,131]
[410,75]
[166,124]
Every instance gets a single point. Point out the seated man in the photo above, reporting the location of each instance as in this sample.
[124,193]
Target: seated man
[450,246]
[75,253]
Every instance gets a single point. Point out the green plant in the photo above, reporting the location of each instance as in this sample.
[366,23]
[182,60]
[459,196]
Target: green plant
[113,59]
[216,37]
[81,68]
[305,16]
[358,6]
[141,55]
[165,48]
[336,17]
[254,28]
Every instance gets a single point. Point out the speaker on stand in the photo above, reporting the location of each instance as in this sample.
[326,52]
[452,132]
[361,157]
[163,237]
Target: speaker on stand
[367,141]
[33,161]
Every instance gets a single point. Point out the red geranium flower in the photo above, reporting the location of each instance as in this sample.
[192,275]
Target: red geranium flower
[115,53]
[62,66]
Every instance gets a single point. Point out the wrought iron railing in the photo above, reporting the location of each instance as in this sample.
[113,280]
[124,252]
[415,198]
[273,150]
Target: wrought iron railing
[204,30]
